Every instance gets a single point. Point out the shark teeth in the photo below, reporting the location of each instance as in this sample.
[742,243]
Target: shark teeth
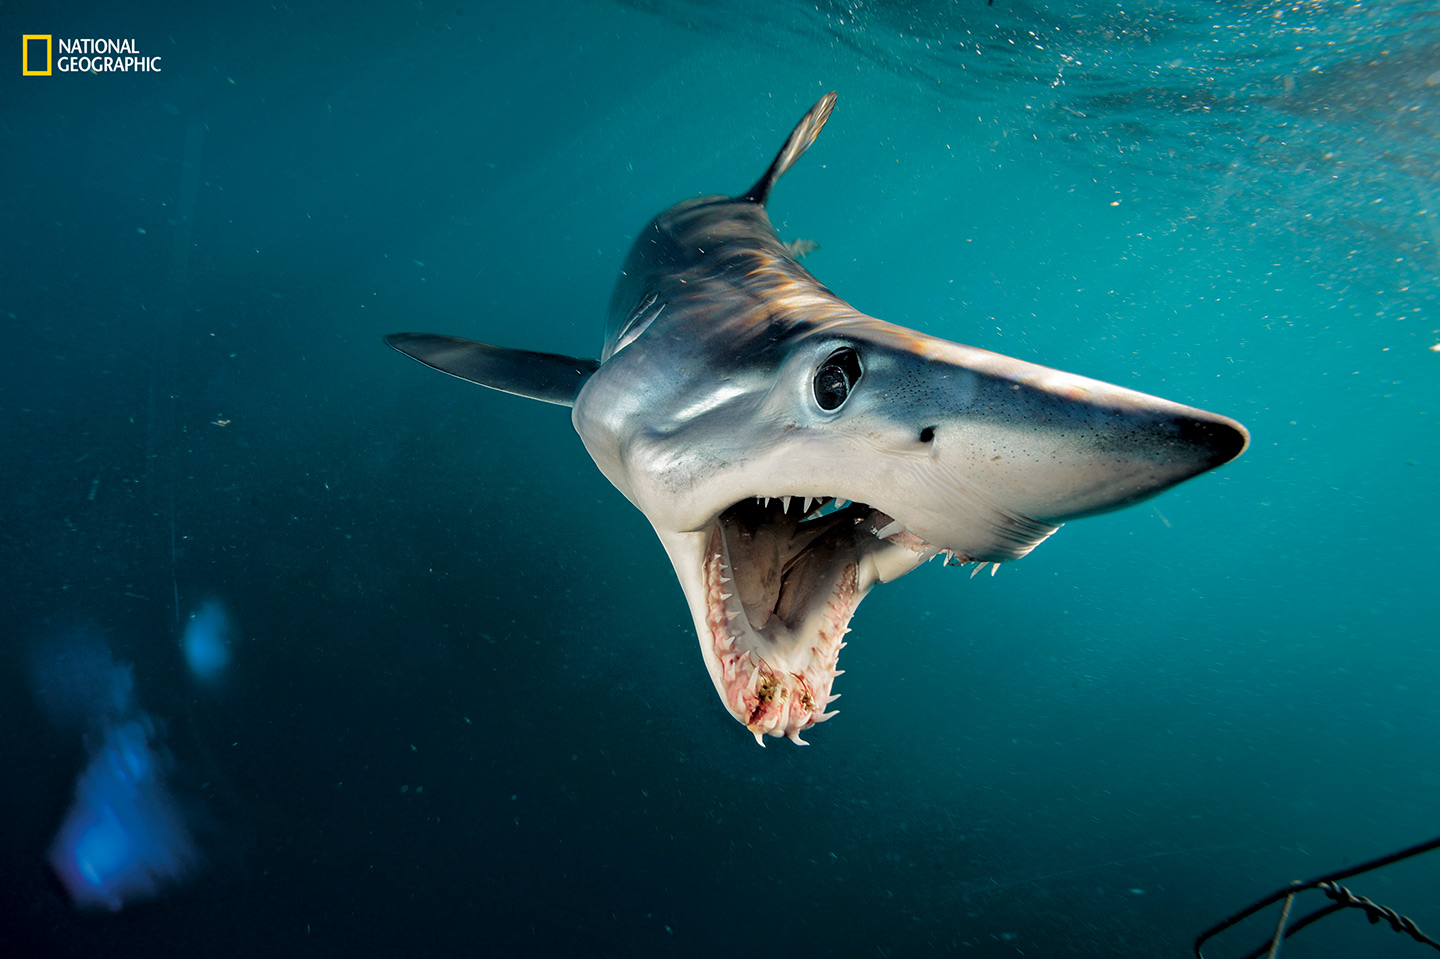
[809,506]
[784,697]
[890,529]
[882,526]
[774,660]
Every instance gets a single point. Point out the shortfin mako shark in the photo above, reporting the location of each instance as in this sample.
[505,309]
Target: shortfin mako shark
[792,452]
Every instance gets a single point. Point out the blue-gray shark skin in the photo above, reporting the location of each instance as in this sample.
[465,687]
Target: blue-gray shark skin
[792,452]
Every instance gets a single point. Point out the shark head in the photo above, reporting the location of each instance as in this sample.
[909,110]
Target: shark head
[838,451]
[791,452]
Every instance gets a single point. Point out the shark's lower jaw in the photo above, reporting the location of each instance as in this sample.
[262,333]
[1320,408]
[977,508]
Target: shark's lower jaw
[780,587]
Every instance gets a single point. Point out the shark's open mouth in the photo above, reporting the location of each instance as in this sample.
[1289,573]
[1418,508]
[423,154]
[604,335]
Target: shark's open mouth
[782,578]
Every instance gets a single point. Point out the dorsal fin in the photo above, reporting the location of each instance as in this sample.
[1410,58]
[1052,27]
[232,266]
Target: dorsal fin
[801,137]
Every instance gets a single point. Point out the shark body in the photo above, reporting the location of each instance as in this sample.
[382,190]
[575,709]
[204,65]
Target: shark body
[791,452]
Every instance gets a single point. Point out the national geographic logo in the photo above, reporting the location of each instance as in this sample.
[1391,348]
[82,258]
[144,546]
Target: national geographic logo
[83,55]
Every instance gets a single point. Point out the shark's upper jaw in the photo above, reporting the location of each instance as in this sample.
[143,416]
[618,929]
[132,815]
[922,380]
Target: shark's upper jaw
[772,583]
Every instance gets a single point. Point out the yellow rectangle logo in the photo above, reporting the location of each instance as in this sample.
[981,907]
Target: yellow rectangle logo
[25,54]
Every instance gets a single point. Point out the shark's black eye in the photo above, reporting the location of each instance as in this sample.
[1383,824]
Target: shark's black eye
[836,377]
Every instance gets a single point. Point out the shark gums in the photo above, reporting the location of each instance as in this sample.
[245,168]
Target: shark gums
[792,452]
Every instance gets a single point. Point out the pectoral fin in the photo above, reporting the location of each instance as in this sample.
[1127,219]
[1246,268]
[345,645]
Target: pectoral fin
[548,377]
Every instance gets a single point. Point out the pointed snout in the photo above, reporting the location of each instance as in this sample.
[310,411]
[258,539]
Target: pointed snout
[1220,438]
[1007,450]
[1118,447]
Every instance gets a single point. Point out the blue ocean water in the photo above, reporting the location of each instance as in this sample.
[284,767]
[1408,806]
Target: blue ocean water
[464,711]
